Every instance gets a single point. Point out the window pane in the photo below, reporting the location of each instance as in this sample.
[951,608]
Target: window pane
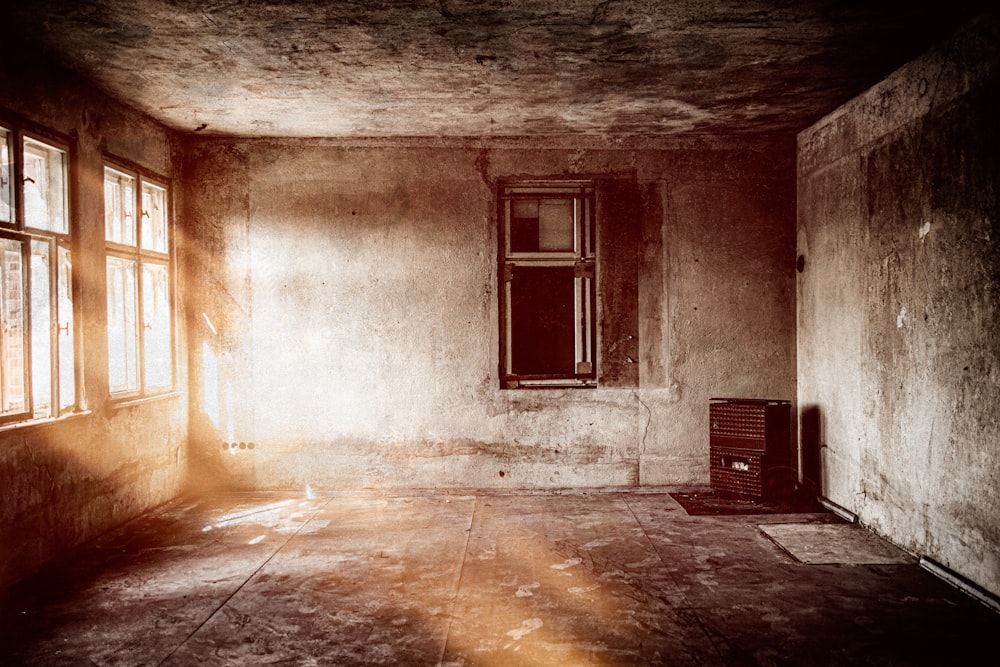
[555,225]
[123,358]
[44,187]
[12,352]
[524,225]
[542,327]
[119,207]
[64,309]
[6,178]
[156,315]
[542,225]
[154,218]
[41,330]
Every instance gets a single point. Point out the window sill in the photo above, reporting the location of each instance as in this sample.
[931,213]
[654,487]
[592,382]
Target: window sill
[44,421]
[548,384]
[133,401]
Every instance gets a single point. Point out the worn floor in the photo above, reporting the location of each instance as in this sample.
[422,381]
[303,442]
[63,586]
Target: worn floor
[532,579]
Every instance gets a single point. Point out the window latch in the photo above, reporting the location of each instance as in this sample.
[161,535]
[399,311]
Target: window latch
[584,269]
[508,272]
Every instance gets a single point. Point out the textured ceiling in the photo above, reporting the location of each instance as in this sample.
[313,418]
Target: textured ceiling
[482,68]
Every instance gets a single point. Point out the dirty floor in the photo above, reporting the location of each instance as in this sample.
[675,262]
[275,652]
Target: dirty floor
[522,579]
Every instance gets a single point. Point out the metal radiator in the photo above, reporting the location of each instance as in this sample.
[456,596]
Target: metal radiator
[749,448]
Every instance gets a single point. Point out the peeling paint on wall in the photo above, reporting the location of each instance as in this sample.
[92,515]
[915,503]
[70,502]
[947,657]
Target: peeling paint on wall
[906,418]
[384,257]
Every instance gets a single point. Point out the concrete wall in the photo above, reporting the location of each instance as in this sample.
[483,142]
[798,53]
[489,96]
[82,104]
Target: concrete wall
[346,321]
[67,480]
[899,305]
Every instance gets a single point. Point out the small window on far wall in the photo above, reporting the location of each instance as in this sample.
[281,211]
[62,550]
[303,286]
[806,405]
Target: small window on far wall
[547,271]
[140,321]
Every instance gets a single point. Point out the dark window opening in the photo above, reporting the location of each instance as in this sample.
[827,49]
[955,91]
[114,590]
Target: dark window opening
[547,268]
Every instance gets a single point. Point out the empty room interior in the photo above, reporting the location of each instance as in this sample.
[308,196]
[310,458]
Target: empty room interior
[491,333]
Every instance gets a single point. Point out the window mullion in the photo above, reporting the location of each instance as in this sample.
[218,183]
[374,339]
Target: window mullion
[140,323]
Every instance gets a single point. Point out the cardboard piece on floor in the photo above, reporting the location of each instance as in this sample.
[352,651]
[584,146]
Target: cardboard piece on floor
[843,544]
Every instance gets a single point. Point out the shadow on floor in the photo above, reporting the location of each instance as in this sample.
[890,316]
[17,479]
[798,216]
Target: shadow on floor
[476,579]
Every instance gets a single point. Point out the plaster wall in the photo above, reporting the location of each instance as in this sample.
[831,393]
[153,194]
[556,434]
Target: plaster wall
[64,481]
[899,304]
[347,325]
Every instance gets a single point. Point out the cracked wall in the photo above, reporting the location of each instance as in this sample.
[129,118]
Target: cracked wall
[899,305]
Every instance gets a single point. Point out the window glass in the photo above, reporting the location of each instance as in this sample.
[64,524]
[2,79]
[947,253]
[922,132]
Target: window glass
[542,320]
[524,225]
[6,179]
[41,329]
[119,207]
[156,324]
[12,348]
[556,231]
[123,352]
[64,311]
[44,187]
[542,225]
[154,218]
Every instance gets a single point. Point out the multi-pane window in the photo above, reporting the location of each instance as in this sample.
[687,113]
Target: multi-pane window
[547,269]
[37,369]
[140,321]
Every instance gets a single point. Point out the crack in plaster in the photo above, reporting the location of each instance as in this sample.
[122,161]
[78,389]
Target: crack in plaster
[645,433]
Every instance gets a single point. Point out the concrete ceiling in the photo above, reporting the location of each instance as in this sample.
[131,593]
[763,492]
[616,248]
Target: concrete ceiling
[484,68]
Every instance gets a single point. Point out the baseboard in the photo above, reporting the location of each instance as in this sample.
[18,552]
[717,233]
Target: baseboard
[844,513]
[958,581]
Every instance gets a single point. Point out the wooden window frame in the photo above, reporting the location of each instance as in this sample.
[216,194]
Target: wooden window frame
[61,371]
[581,259]
[133,250]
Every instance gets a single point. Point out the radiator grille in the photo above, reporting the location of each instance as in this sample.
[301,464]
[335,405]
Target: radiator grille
[749,439]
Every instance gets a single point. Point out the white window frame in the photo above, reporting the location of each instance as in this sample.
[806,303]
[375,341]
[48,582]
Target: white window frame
[582,258]
[135,251]
[50,384]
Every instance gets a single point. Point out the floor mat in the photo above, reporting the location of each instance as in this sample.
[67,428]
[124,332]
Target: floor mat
[829,544]
[715,503]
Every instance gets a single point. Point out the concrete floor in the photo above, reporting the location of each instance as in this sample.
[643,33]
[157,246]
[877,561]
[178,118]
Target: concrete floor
[530,579]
